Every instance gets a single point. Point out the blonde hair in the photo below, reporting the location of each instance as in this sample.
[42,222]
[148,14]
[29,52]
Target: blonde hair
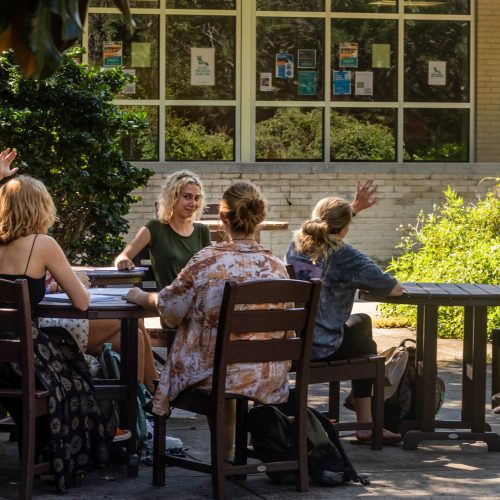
[244,206]
[26,207]
[319,236]
[171,190]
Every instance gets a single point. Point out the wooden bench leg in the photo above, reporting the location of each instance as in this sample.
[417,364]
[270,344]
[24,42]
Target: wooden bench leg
[334,400]
[495,367]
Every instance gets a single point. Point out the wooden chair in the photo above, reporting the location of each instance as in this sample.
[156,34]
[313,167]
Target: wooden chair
[363,367]
[15,316]
[211,211]
[234,321]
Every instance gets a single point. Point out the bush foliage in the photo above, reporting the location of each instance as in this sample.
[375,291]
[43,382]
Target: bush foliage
[68,133]
[457,243]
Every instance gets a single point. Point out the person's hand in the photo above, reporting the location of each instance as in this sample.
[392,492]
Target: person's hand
[364,197]
[124,263]
[6,158]
[137,296]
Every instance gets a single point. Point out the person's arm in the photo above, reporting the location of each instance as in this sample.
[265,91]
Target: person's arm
[141,240]
[58,266]
[144,299]
[365,196]
[6,158]
[397,290]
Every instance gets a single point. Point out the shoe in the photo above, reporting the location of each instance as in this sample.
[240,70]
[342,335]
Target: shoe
[172,444]
[121,435]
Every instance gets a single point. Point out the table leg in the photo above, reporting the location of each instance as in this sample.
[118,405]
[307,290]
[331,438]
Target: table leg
[419,358]
[128,376]
[479,369]
[467,356]
[429,368]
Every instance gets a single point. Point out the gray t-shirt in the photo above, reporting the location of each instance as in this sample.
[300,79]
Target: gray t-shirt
[345,271]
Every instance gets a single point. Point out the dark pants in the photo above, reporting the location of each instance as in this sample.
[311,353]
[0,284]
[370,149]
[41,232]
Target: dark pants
[357,341]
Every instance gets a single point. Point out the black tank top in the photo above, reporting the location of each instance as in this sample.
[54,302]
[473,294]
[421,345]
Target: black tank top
[36,286]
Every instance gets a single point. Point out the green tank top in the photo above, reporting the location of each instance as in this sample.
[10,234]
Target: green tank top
[170,251]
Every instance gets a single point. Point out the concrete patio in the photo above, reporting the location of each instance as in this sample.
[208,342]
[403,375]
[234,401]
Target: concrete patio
[461,470]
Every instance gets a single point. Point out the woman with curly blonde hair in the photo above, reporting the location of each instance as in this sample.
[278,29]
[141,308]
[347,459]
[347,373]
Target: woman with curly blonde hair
[174,237]
[318,250]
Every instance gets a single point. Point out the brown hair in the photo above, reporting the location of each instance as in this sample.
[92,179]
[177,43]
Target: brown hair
[171,189]
[319,236]
[26,207]
[244,206]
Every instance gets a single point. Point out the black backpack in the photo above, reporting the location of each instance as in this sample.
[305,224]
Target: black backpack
[272,438]
[401,404]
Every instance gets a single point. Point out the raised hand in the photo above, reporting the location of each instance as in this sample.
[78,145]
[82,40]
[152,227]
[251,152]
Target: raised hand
[6,158]
[364,197]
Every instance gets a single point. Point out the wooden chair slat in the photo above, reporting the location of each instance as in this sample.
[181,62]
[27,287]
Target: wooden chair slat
[269,320]
[266,350]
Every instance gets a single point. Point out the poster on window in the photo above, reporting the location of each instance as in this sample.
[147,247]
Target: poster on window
[307,82]
[341,82]
[306,58]
[437,72]
[284,65]
[364,83]
[112,54]
[130,86]
[203,66]
[348,57]
[141,55]
[266,82]
[381,55]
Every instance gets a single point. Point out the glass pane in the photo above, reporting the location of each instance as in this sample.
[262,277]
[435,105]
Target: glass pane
[133,3]
[110,45]
[199,133]
[363,134]
[290,53]
[364,5]
[292,5]
[436,135]
[201,4]
[142,145]
[201,58]
[437,6]
[364,56]
[437,61]
[289,134]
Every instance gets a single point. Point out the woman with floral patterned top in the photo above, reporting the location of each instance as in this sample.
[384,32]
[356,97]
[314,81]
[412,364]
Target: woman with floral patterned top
[192,303]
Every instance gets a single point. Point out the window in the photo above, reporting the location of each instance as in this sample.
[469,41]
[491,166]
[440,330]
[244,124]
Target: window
[293,80]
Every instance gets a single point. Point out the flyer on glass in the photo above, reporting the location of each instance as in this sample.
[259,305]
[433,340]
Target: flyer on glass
[348,57]
[342,82]
[381,55]
[202,66]
[364,83]
[307,82]
[266,82]
[437,72]
[112,54]
[306,58]
[284,65]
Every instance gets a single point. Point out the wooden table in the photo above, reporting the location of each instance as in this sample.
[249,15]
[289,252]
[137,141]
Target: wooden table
[124,389]
[215,225]
[104,276]
[475,299]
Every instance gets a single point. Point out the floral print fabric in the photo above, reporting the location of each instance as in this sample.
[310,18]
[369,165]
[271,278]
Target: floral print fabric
[192,302]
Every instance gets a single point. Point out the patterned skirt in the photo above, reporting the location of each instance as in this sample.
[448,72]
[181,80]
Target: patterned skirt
[80,434]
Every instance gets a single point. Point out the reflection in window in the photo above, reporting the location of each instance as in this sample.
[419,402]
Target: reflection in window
[436,135]
[133,3]
[437,61]
[437,7]
[111,45]
[289,134]
[292,5]
[364,5]
[290,55]
[199,133]
[141,144]
[367,49]
[200,62]
[363,135]
[201,4]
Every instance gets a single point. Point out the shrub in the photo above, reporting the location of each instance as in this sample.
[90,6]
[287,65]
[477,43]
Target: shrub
[457,243]
[68,133]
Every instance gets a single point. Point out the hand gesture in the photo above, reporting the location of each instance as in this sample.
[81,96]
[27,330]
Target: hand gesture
[124,263]
[6,158]
[364,197]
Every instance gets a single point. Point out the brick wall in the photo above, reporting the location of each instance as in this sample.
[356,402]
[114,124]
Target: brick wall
[488,81]
[292,190]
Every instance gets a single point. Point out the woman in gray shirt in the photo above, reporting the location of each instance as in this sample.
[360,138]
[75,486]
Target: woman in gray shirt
[318,250]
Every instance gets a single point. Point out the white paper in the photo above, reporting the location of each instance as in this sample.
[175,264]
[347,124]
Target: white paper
[437,72]
[364,83]
[129,87]
[202,66]
[266,82]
